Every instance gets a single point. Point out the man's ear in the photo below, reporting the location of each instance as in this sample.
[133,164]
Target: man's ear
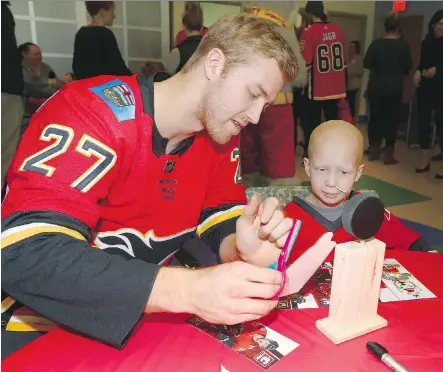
[214,63]
[306,165]
[359,172]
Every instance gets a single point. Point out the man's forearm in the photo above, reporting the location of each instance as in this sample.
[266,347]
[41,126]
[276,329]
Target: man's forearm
[75,285]
[171,291]
[86,289]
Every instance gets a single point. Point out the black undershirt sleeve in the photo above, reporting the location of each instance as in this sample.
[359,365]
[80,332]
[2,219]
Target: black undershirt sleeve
[420,245]
[85,289]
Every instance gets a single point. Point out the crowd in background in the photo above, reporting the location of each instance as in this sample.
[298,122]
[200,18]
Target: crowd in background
[27,81]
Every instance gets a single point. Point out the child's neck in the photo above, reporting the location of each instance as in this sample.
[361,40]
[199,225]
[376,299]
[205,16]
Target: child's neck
[316,202]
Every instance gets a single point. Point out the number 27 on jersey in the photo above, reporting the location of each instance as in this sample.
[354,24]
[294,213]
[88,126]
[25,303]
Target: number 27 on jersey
[62,137]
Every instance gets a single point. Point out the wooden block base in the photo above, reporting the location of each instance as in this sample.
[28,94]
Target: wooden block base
[339,334]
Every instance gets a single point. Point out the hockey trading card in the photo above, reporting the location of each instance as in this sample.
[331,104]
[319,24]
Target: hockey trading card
[256,342]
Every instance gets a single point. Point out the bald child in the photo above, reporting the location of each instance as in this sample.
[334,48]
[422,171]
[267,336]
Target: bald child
[334,165]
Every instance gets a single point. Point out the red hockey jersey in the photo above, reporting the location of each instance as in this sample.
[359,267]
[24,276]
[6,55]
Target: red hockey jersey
[392,232]
[324,50]
[93,153]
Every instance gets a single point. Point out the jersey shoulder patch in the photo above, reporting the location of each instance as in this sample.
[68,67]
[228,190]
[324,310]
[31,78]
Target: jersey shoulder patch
[119,98]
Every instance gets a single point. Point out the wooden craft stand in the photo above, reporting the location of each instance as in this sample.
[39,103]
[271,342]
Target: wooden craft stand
[355,291]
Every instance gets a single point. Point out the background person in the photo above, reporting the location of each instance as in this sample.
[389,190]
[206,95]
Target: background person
[429,80]
[389,60]
[96,50]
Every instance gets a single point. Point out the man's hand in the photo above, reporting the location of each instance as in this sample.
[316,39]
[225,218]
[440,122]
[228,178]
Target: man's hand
[430,72]
[262,231]
[226,294]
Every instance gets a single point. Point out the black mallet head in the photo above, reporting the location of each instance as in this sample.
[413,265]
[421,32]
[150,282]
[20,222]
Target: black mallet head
[363,216]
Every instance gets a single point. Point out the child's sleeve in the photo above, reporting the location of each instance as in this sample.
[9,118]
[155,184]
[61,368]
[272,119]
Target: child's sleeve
[396,235]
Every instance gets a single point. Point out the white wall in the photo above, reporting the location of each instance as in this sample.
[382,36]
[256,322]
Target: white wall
[141,29]
[213,11]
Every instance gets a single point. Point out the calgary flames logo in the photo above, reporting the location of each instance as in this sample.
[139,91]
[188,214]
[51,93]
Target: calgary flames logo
[147,247]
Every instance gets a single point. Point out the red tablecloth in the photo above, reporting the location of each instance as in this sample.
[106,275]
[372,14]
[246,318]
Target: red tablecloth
[414,336]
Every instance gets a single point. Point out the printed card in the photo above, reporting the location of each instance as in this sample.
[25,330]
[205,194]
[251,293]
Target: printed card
[315,293]
[256,342]
[402,284]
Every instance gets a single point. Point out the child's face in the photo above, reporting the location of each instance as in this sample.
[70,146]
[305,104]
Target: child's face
[333,170]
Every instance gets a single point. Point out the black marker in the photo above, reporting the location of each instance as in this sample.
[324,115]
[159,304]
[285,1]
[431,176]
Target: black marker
[381,353]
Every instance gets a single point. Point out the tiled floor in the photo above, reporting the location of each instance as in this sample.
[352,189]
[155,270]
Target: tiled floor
[411,196]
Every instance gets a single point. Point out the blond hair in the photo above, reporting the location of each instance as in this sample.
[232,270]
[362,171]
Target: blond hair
[242,36]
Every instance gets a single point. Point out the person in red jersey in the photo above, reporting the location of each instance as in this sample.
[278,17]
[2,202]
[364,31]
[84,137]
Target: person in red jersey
[115,173]
[324,49]
[333,166]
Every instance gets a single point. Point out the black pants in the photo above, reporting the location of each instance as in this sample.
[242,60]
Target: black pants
[314,115]
[351,96]
[428,102]
[383,121]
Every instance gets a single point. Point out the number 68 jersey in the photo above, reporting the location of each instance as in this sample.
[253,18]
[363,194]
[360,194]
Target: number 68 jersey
[324,51]
[93,153]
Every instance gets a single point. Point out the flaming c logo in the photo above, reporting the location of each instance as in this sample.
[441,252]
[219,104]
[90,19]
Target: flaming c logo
[148,247]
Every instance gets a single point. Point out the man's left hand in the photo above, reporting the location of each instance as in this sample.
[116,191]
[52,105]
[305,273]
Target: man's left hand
[430,72]
[262,231]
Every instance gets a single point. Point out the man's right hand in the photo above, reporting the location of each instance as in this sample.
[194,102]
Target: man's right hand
[229,293]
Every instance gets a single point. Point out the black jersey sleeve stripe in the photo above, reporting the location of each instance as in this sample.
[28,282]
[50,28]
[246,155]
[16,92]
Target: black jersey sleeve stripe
[211,217]
[217,223]
[85,289]
[53,218]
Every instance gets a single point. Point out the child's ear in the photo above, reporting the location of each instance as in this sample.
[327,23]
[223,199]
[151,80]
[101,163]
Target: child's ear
[359,172]
[306,165]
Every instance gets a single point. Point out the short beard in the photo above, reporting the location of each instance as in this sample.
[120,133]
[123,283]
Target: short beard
[210,122]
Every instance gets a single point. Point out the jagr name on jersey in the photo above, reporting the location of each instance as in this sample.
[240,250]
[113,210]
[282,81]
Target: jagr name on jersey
[328,36]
